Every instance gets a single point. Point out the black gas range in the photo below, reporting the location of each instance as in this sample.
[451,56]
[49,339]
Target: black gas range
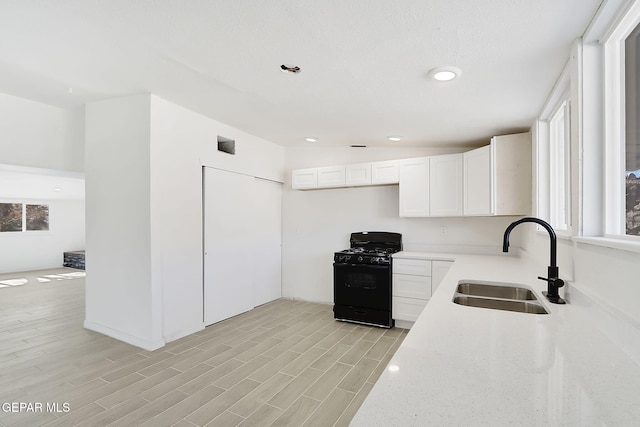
[362,278]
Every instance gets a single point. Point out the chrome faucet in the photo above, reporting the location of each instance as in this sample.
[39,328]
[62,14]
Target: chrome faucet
[553,281]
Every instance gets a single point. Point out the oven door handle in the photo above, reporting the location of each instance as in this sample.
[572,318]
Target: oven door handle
[375,266]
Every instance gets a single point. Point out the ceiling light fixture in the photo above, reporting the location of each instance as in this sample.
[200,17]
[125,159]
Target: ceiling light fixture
[394,138]
[445,74]
[57,189]
[292,69]
[311,139]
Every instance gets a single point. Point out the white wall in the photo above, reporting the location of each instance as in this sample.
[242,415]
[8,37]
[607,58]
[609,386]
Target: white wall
[119,291]
[183,142]
[44,249]
[39,135]
[606,275]
[317,223]
[144,159]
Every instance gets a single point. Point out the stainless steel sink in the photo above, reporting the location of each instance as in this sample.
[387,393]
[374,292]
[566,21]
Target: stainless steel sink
[501,304]
[497,296]
[503,291]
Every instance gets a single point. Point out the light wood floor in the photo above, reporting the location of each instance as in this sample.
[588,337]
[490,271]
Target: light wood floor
[284,363]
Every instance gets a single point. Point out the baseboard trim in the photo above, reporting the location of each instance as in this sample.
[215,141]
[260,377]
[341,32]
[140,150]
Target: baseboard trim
[404,324]
[183,333]
[125,337]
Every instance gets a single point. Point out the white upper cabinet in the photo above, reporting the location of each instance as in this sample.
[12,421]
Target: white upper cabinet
[477,181]
[490,180]
[331,176]
[384,172]
[511,174]
[445,185]
[414,187]
[497,177]
[304,179]
[358,174]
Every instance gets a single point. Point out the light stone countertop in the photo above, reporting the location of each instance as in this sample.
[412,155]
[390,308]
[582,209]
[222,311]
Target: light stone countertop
[463,365]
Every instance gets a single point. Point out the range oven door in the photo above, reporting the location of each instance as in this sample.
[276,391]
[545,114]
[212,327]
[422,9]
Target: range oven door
[359,285]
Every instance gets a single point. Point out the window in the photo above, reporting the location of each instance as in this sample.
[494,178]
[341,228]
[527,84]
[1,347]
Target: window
[622,126]
[553,136]
[23,217]
[10,217]
[632,133]
[559,165]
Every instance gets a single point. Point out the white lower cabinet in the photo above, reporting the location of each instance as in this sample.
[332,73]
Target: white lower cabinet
[439,270]
[407,309]
[411,289]
[414,281]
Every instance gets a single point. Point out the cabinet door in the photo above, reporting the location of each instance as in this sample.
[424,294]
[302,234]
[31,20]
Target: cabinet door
[440,269]
[445,184]
[359,174]
[477,181]
[511,158]
[302,179]
[331,176]
[385,172]
[414,187]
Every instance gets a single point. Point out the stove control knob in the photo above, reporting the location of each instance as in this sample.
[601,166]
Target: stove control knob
[360,259]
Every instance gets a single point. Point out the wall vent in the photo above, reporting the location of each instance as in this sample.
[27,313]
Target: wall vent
[226,145]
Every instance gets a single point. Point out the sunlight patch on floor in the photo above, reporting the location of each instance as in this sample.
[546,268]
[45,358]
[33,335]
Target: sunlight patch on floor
[7,283]
[14,282]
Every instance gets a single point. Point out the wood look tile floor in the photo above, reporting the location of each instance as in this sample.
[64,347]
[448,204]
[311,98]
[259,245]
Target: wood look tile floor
[286,363]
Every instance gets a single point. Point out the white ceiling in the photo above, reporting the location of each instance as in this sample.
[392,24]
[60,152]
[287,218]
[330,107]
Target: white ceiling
[364,62]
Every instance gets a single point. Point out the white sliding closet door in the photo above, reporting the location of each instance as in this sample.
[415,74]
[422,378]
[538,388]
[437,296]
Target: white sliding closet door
[228,215]
[267,241]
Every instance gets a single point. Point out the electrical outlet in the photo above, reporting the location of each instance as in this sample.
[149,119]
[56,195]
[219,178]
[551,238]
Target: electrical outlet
[443,230]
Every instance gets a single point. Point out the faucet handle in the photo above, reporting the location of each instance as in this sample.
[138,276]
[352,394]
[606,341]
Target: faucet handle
[553,281]
[552,289]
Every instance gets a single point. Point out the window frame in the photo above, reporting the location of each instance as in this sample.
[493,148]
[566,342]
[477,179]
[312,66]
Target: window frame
[546,174]
[23,208]
[613,44]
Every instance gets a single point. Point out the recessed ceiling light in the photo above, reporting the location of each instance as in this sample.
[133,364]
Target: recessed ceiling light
[445,74]
[57,189]
[311,139]
[293,69]
[394,138]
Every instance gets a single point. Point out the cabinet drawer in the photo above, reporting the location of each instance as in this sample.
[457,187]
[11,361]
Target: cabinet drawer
[407,308]
[417,267]
[410,286]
